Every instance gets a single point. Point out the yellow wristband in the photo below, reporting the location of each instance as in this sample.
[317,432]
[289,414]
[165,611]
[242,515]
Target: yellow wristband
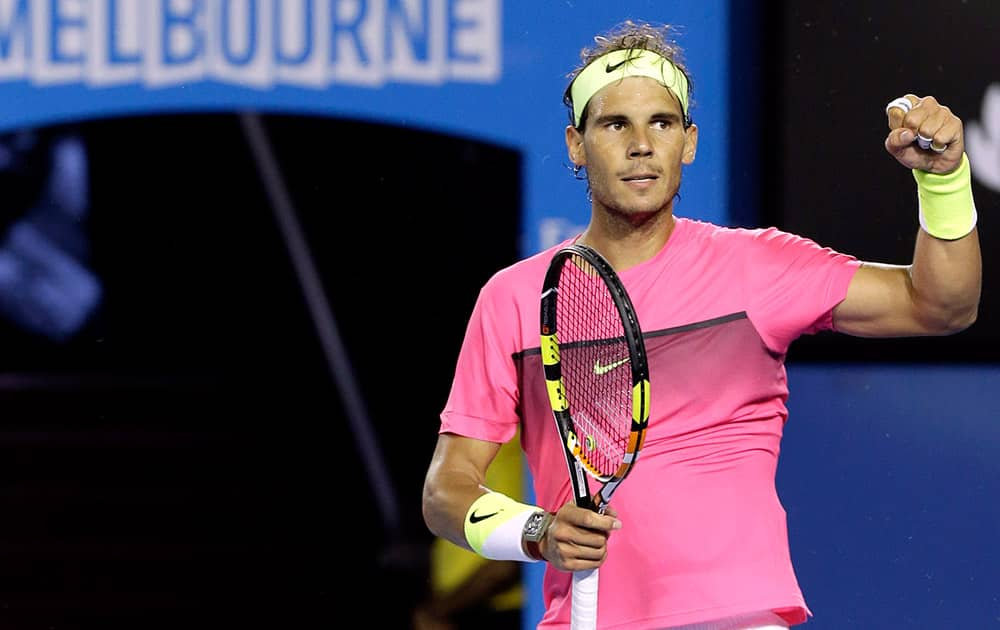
[947,209]
[493,527]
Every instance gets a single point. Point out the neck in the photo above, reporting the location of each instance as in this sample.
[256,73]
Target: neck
[628,243]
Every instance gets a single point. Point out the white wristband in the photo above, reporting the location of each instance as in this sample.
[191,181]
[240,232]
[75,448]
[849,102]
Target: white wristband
[494,525]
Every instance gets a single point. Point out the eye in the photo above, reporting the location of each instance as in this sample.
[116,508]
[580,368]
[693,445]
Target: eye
[616,125]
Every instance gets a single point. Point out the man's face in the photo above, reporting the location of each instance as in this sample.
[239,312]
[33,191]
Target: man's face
[633,146]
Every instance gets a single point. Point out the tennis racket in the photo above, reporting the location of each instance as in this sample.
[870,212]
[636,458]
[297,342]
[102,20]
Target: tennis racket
[598,384]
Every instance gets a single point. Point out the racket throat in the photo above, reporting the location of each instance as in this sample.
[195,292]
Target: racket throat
[600,502]
[581,488]
[597,502]
[589,502]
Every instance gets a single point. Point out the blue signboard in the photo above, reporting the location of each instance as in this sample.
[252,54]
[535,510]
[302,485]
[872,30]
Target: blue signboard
[483,69]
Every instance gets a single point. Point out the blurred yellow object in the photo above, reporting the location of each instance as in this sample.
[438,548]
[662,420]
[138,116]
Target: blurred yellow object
[451,565]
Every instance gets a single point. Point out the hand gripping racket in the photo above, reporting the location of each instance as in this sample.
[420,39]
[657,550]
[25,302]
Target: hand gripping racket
[598,383]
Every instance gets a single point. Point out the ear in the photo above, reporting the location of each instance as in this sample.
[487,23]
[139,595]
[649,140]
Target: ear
[574,146]
[690,144]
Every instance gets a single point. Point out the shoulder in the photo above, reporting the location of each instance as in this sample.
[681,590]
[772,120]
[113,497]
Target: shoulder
[525,274]
[761,237]
[707,236]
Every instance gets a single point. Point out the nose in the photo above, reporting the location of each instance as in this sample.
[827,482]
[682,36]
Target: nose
[639,145]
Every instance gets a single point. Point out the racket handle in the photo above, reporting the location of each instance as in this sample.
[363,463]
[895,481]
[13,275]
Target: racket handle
[584,603]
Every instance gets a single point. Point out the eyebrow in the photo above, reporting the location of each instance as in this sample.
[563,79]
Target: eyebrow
[612,118]
[671,116]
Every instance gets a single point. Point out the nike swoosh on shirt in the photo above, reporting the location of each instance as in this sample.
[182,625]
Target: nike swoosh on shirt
[475,518]
[604,369]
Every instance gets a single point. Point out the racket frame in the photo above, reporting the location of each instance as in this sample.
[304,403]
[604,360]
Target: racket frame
[638,364]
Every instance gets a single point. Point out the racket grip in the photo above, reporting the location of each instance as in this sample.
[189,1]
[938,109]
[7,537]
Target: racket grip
[584,604]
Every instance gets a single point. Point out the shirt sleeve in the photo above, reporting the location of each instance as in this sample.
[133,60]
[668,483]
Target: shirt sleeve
[482,403]
[794,285]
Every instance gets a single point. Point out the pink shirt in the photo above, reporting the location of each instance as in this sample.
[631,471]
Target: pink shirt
[704,533]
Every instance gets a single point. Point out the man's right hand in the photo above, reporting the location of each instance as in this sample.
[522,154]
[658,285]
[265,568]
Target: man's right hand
[577,539]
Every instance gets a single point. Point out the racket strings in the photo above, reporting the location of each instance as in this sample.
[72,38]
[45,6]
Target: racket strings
[594,357]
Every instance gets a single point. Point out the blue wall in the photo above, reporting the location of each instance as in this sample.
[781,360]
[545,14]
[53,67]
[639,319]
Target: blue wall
[890,476]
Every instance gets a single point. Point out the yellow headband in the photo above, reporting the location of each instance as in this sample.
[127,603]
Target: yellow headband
[627,62]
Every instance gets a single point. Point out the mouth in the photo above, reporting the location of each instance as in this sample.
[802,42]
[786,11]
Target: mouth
[641,177]
[640,181]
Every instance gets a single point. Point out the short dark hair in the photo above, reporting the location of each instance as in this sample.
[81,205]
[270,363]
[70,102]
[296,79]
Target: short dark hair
[631,35]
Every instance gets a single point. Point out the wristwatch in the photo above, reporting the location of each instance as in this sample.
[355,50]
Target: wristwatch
[534,530]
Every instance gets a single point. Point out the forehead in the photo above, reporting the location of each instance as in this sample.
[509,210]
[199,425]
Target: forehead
[634,95]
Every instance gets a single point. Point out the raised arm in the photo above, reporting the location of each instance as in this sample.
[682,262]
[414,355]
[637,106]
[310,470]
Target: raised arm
[938,293]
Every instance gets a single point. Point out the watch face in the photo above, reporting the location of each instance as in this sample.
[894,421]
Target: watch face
[533,526]
[533,522]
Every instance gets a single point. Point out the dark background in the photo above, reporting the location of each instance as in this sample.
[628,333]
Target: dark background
[829,69]
[888,465]
[185,460]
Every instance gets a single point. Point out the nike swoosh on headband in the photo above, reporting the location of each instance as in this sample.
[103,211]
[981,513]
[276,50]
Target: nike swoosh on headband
[611,68]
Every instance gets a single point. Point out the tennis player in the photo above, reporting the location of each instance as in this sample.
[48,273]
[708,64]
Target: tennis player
[696,537]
